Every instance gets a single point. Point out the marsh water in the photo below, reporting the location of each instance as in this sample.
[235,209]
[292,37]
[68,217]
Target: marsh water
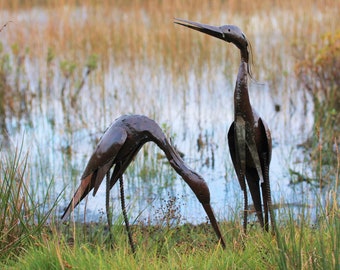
[195,109]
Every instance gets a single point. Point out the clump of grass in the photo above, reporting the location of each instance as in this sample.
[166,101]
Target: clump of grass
[14,208]
[157,229]
[306,244]
[91,65]
[5,88]
[21,218]
[296,245]
[318,74]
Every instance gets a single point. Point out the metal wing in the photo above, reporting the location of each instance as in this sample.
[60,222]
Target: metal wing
[99,164]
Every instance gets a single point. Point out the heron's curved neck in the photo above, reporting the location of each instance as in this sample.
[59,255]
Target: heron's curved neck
[194,180]
[176,161]
[244,55]
[241,96]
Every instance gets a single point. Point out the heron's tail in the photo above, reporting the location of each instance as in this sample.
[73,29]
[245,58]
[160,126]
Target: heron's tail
[82,191]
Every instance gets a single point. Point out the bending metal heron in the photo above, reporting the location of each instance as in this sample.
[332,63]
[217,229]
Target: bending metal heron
[119,145]
[249,137]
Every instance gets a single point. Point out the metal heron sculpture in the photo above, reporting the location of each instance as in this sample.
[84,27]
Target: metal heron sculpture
[118,147]
[249,137]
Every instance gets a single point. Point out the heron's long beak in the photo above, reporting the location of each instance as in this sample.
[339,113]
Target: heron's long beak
[204,28]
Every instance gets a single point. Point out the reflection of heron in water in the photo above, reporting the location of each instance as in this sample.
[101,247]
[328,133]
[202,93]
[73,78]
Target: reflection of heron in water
[118,146]
[249,138]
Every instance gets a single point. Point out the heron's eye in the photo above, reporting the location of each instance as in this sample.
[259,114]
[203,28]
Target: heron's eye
[229,30]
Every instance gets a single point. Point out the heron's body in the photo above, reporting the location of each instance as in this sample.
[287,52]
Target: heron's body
[119,145]
[250,147]
[249,138]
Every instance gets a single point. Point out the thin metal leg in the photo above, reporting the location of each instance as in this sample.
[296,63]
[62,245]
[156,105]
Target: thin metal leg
[126,220]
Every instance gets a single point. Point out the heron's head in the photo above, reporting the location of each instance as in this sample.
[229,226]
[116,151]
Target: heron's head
[229,33]
[198,185]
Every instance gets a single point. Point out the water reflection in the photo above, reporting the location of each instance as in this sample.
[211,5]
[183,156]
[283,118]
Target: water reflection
[60,137]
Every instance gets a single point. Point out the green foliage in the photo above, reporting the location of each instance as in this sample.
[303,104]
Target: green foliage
[296,245]
[4,61]
[92,62]
[5,69]
[50,55]
[302,243]
[27,242]
[319,74]
[21,217]
[67,68]
[13,203]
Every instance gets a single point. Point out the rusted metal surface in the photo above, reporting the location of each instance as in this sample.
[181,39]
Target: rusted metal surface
[249,137]
[117,148]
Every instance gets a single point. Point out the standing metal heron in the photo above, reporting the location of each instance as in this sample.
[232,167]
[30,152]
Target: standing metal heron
[118,147]
[249,137]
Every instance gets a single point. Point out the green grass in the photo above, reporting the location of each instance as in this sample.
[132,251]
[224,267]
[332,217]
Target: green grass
[22,217]
[28,242]
[295,246]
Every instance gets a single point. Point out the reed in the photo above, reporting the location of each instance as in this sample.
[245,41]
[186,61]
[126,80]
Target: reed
[56,41]
[22,217]
[318,75]
[142,32]
[137,30]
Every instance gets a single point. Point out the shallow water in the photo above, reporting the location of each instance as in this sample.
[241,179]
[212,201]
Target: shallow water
[60,142]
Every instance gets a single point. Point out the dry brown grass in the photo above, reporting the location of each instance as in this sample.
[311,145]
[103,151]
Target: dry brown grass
[137,30]
[139,34]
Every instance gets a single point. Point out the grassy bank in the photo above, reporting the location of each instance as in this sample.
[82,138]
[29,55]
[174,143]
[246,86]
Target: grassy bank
[28,241]
[296,245]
